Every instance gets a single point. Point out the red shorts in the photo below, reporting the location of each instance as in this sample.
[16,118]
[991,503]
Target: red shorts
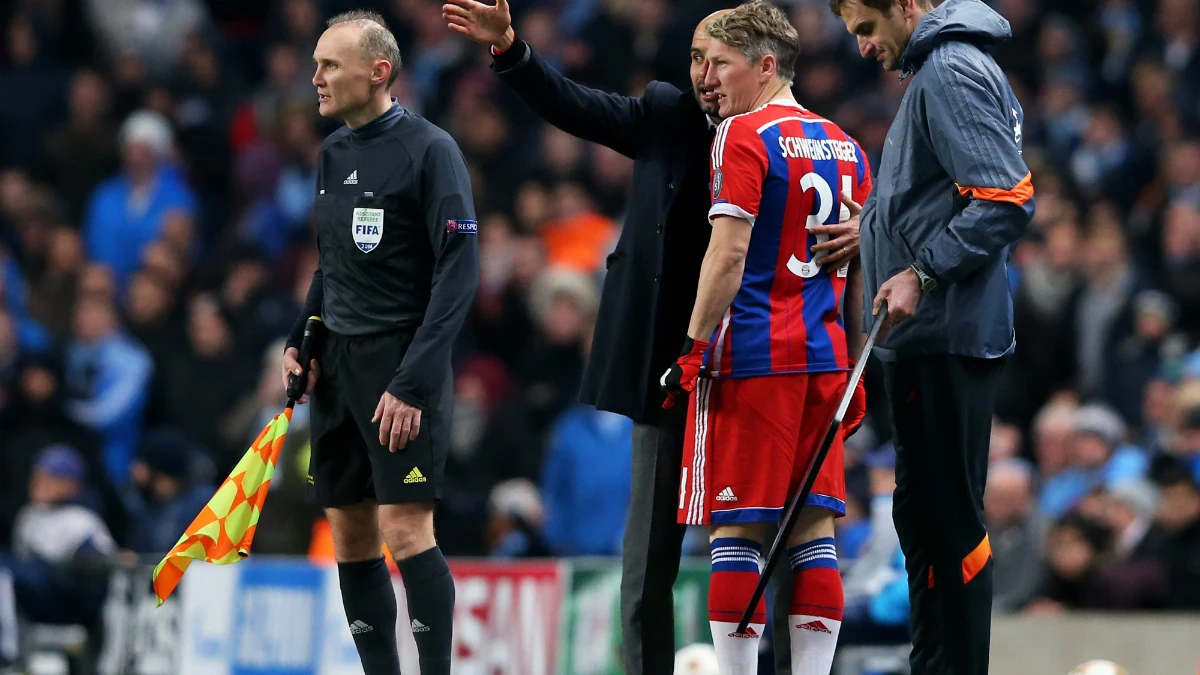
[749,443]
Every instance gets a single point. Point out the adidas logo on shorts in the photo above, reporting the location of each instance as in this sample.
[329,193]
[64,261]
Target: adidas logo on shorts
[415,476]
[726,495]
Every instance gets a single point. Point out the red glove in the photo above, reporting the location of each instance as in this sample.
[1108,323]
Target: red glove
[680,378]
[857,409]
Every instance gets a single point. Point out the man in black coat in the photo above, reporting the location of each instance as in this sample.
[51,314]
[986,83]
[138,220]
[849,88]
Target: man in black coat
[649,292]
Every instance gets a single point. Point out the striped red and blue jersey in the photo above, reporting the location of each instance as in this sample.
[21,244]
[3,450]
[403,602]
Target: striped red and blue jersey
[782,167]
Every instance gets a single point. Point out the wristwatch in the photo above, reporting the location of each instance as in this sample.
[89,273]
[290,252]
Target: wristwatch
[928,283]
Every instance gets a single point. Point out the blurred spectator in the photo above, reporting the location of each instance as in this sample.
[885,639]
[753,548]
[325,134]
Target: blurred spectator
[585,482]
[1141,356]
[1131,507]
[872,565]
[194,399]
[126,211]
[479,447]
[1098,456]
[1081,576]
[106,382]
[52,294]
[1107,164]
[1050,284]
[1015,533]
[1052,429]
[61,550]
[1104,310]
[83,150]
[577,236]
[34,421]
[33,72]
[1179,518]
[1181,252]
[563,303]
[515,519]
[170,484]
[257,313]
[153,32]
[1185,444]
[875,582]
[10,638]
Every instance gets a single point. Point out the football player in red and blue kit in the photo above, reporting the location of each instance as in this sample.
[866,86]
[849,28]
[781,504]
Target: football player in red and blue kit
[768,354]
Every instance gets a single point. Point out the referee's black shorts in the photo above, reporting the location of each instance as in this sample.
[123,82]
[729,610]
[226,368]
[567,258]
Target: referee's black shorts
[347,463]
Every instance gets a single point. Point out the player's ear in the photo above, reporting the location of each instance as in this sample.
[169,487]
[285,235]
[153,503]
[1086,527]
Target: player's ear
[768,66]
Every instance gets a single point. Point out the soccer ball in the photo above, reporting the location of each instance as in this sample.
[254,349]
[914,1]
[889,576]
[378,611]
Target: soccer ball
[697,659]
[1098,667]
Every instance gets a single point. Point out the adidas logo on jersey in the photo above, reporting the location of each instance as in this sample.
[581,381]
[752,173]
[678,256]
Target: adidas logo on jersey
[360,627]
[415,476]
[815,626]
[352,179]
[726,495]
[418,627]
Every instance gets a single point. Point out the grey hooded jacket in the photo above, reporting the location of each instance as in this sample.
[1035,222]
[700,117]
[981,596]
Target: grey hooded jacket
[953,193]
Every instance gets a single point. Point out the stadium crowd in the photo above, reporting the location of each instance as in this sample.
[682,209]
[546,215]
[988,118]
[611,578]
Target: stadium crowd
[156,171]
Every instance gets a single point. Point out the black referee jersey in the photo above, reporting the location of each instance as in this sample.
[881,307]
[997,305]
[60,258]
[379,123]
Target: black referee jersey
[397,243]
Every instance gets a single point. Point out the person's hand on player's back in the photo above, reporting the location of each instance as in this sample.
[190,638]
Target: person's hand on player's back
[291,366]
[398,421]
[842,244]
[485,24]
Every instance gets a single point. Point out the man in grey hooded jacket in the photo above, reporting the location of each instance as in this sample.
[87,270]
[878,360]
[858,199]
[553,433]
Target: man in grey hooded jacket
[952,197]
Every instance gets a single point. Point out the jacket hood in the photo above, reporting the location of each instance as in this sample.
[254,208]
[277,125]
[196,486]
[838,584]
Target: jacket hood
[954,20]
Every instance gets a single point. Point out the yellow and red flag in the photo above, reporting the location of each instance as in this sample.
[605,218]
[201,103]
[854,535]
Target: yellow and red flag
[223,531]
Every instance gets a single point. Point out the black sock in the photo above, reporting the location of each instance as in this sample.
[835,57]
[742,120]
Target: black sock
[430,591]
[370,604]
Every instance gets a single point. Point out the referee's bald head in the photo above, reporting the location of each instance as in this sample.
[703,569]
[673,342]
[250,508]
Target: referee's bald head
[375,40]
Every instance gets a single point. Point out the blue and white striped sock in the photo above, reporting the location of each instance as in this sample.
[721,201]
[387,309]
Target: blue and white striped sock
[735,573]
[815,617]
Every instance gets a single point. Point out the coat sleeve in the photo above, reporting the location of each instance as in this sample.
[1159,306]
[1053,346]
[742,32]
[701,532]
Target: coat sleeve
[974,125]
[454,235]
[611,120]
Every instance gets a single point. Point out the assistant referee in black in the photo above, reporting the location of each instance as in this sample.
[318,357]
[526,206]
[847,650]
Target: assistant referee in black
[398,268]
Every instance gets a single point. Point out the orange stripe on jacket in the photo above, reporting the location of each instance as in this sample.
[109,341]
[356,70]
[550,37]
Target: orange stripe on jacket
[1020,194]
[973,564]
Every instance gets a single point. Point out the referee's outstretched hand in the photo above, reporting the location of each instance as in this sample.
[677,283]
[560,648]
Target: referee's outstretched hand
[291,366]
[398,421]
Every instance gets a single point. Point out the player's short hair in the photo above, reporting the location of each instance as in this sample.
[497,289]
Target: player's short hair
[884,6]
[758,28]
[376,39]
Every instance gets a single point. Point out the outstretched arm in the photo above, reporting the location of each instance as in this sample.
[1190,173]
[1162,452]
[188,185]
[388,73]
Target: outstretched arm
[611,120]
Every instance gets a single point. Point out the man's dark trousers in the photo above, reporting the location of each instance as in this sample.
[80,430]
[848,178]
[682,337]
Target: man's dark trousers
[942,410]
[653,540]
